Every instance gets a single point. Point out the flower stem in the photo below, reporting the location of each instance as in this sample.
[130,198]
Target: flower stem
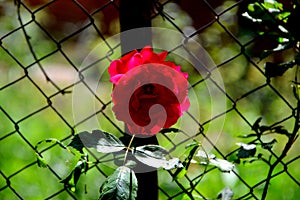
[127,149]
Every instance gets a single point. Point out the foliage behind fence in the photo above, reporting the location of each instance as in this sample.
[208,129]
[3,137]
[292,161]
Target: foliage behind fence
[43,62]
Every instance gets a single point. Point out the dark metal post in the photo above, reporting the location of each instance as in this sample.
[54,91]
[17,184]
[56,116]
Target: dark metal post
[135,14]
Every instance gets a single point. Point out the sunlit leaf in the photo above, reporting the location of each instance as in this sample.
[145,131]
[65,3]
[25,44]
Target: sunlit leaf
[173,163]
[283,16]
[121,185]
[280,47]
[155,156]
[253,19]
[282,40]
[246,150]
[225,194]
[211,159]
[100,140]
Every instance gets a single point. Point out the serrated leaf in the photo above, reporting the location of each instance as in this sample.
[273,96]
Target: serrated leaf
[246,150]
[211,159]
[188,156]
[72,179]
[121,185]
[225,194]
[155,156]
[102,141]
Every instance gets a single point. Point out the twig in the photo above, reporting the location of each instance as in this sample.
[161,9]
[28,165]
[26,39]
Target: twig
[288,145]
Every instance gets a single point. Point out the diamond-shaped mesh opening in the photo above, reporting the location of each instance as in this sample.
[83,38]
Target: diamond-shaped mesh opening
[54,57]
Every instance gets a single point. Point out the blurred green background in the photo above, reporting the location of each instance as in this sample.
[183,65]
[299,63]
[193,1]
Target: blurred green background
[34,108]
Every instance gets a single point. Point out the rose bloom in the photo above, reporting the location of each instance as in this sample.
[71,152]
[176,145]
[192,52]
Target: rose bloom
[149,93]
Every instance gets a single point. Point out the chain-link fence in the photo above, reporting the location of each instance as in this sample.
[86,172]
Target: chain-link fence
[55,53]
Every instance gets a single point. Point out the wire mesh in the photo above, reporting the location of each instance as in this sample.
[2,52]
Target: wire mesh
[42,52]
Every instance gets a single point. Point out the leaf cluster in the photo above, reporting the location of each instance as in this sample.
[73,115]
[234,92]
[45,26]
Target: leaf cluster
[122,184]
[279,23]
[248,151]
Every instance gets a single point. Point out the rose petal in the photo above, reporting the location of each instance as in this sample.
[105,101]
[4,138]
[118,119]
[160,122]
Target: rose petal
[128,56]
[134,61]
[162,56]
[149,93]
[116,78]
[147,54]
[114,66]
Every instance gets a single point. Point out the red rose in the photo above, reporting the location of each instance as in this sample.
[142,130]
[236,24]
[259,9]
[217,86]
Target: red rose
[149,93]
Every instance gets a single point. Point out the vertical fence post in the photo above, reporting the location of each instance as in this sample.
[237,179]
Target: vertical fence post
[136,14]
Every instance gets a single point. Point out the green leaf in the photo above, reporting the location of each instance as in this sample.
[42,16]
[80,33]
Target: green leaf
[168,130]
[253,19]
[52,141]
[72,179]
[284,15]
[225,194]
[268,145]
[41,161]
[211,159]
[100,140]
[255,126]
[155,156]
[280,47]
[281,130]
[188,156]
[121,185]
[296,90]
[76,143]
[246,150]
[273,69]
[248,135]
[264,128]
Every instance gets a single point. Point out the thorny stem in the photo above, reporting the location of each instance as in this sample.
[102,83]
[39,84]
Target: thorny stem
[127,149]
[292,137]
